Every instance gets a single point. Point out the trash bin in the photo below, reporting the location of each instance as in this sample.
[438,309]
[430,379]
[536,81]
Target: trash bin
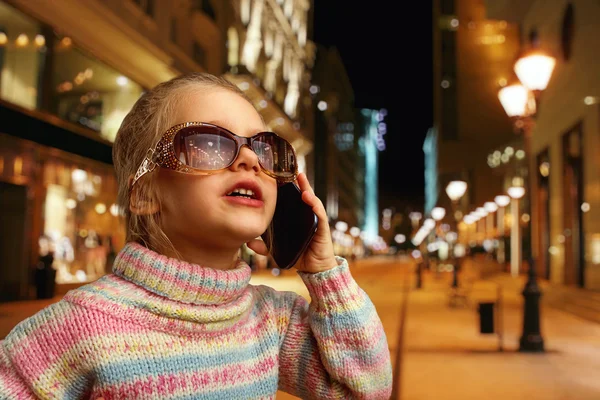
[486,317]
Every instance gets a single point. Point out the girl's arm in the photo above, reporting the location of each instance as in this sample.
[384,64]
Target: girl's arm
[43,358]
[12,385]
[335,347]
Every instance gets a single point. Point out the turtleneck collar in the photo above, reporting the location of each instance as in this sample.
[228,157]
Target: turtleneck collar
[178,280]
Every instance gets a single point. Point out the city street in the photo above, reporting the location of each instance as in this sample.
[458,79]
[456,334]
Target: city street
[443,355]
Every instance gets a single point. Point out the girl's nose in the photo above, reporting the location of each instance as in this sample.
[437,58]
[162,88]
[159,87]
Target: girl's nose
[247,159]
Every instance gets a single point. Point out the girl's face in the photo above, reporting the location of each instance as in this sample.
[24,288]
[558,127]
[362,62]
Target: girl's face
[197,209]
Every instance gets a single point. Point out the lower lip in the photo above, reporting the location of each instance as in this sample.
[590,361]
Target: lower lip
[243,201]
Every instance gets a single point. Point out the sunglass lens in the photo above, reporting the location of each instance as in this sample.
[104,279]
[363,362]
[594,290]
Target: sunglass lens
[204,148]
[275,155]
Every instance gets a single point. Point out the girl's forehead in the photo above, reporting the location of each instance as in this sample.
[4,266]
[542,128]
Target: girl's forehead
[219,107]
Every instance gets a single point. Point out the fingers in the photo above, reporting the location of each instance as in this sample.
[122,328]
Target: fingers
[304,184]
[258,246]
[318,208]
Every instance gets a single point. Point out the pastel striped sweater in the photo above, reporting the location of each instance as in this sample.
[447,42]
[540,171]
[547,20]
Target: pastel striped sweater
[160,328]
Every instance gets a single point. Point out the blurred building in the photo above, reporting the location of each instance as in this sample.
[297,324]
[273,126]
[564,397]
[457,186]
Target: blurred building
[338,174]
[70,72]
[373,129]
[270,57]
[564,142]
[473,58]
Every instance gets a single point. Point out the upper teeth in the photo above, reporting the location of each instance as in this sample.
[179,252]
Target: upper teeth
[246,192]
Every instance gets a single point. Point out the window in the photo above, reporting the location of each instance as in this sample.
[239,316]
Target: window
[534,38]
[147,6]
[449,122]
[568,29]
[173,33]
[205,7]
[199,54]
[87,92]
[22,51]
[447,7]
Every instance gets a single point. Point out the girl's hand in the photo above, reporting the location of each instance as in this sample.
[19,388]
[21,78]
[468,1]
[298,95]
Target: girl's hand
[319,255]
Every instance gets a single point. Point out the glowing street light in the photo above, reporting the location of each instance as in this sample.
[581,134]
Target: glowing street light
[514,99]
[456,189]
[490,207]
[534,70]
[438,213]
[502,200]
[399,238]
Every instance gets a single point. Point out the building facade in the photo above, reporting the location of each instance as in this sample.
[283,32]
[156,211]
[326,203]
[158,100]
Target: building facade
[270,56]
[70,72]
[473,59]
[564,173]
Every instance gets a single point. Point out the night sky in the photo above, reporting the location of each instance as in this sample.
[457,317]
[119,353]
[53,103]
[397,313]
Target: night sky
[391,68]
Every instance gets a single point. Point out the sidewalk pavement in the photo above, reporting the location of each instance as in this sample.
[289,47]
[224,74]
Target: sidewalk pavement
[445,357]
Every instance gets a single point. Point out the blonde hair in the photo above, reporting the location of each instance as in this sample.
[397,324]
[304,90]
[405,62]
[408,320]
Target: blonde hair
[141,129]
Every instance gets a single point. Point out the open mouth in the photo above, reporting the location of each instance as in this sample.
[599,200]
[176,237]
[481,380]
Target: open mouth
[245,193]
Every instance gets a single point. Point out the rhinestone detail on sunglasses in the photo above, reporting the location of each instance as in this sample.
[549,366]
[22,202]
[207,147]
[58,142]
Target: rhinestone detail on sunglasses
[163,154]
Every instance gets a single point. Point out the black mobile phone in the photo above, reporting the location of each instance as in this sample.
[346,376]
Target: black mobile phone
[293,227]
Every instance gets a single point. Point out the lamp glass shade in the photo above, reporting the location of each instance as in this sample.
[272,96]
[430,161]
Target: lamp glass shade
[429,224]
[514,99]
[516,192]
[502,200]
[490,207]
[456,189]
[469,219]
[438,213]
[534,70]
[481,212]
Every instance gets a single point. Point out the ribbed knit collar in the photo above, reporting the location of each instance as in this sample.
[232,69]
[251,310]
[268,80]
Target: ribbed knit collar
[178,280]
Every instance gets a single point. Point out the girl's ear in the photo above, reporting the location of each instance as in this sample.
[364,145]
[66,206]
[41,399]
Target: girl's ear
[140,204]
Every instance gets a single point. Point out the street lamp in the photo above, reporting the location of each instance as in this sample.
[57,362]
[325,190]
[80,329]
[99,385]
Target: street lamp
[534,70]
[455,191]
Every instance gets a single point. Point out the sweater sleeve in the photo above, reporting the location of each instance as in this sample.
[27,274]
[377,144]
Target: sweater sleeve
[42,357]
[335,347]
[12,385]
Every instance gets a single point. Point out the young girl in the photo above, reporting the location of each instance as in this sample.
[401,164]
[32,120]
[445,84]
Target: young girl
[177,319]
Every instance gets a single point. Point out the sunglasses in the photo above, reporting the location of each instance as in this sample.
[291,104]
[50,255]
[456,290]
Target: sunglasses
[205,149]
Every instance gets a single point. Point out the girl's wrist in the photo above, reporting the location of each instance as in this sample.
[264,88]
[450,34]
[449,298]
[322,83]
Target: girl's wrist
[322,267]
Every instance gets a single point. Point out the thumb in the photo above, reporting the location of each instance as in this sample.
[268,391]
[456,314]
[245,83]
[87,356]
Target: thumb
[258,246]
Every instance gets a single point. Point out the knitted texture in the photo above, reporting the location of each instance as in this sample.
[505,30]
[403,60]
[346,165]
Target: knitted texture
[162,328]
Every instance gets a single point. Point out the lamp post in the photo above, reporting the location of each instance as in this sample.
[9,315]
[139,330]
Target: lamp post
[502,201]
[491,208]
[438,214]
[455,191]
[534,70]
[482,213]
[516,192]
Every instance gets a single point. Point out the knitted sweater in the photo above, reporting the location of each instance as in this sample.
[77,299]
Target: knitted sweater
[162,328]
